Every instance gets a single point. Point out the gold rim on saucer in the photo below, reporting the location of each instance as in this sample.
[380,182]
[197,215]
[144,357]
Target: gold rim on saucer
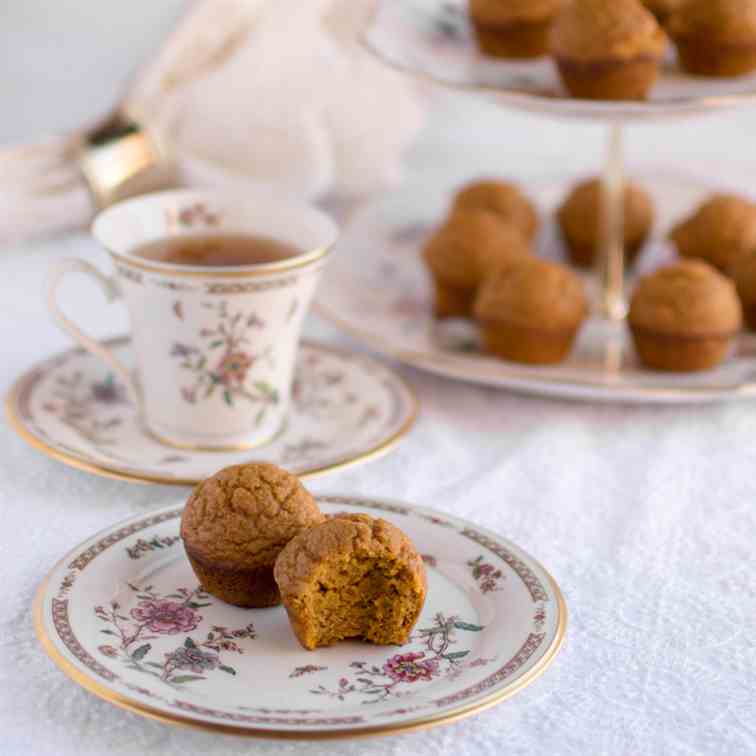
[93,685]
[81,462]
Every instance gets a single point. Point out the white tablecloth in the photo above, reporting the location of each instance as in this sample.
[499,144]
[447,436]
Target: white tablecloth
[645,516]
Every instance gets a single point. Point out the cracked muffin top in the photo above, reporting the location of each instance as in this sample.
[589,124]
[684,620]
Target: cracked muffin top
[580,213]
[591,30]
[533,293]
[720,231]
[245,514]
[728,21]
[470,244]
[502,198]
[344,536]
[689,297]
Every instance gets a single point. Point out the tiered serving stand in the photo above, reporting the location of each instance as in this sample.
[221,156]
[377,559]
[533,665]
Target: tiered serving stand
[433,39]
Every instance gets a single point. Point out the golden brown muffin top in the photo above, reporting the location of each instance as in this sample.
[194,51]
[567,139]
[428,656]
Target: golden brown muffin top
[502,198]
[729,21]
[720,231]
[535,294]
[688,298]
[744,274]
[341,538]
[470,244]
[580,215]
[598,30]
[244,515]
[503,12]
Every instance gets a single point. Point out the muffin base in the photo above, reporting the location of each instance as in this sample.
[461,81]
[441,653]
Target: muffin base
[680,354]
[609,79]
[749,313]
[702,58]
[583,255]
[531,346]
[251,588]
[452,302]
[516,40]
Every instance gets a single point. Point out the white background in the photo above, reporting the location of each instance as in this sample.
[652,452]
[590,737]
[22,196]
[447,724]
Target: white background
[645,516]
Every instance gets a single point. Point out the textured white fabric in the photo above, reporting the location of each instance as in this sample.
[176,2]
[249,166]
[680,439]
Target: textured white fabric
[645,516]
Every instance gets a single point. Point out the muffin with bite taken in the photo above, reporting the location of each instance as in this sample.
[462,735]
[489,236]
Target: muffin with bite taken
[607,50]
[236,523]
[531,311]
[580,221]
[463,252]
[503,199]
[684,317]
[354,576]
[513,28]
[715,37]
[720,231]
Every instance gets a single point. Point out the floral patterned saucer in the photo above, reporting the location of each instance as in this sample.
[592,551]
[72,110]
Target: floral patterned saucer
[346,408]
[123,616]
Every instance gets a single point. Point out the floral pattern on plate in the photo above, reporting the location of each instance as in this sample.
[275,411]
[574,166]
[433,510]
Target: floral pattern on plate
[138,630]
[345,407]
[175,614]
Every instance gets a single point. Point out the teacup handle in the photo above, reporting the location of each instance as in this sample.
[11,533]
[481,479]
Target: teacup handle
[112,293]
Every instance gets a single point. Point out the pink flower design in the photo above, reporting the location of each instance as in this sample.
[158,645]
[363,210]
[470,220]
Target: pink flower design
[166,617]
[108,651]
[233,368]
[409,668]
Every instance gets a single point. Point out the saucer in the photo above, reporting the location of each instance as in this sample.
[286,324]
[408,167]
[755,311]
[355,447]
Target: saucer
[346,408]
[123,616]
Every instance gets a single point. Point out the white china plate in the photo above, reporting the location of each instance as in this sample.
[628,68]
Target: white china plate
[377,289]
[435,40]
[123,616]
[346,408]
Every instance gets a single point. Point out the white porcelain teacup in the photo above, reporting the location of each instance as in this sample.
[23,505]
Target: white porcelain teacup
[214,346]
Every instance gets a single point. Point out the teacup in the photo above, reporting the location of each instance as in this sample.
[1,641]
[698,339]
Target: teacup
[214,347]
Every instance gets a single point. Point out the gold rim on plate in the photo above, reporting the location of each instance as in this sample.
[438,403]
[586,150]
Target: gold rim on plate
[90,684]
[81,463]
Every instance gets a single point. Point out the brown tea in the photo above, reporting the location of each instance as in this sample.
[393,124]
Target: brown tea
[217,250]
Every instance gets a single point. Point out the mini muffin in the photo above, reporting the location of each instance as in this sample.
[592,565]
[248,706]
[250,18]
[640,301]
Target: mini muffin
[684,317]
[502,198]
[354,576]
[531,311]
[607,50]
[715,37]
[513,28]
[463,252]
[662,9]
[235,525]
[721,231]
[744,274]
[580,221]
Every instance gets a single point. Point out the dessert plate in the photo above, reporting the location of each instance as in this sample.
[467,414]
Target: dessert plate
[123,616]
[378,290]
[435,40]
[346,408]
